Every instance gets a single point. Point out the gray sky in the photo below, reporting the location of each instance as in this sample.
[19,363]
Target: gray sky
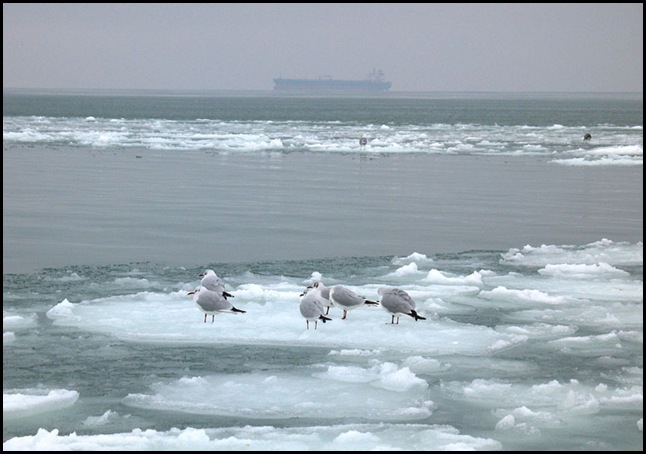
[243,46]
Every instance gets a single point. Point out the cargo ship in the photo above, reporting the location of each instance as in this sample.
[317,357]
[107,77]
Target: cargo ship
[374,82]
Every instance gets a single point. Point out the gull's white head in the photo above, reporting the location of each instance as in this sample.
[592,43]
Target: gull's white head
[207,272]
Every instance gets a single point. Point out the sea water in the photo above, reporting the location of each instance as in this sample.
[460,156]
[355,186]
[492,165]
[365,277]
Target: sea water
[520,242]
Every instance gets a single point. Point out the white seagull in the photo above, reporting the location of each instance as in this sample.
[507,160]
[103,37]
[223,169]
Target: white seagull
[311,307]
[323,295]
[397,303]
[213,282]
[346,299]
[212,303]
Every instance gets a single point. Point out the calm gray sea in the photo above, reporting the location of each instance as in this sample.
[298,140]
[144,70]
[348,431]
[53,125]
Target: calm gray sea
[96,207]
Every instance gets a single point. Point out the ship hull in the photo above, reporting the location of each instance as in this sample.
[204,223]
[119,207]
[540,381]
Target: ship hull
[329,85]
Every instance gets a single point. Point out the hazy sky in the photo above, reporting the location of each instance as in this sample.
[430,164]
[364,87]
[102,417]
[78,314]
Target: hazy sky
[243,46]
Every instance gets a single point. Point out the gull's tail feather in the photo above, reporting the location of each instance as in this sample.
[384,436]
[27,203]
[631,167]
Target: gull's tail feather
[416,316]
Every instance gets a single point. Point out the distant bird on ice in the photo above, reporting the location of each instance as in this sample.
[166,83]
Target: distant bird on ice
[346,299]
[397,303]
[311,307]
[212,302]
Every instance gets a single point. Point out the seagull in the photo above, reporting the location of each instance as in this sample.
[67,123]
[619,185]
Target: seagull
[346,299]
[323,295]
[397,303]
[213,282]
[311,307]
[212,302]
